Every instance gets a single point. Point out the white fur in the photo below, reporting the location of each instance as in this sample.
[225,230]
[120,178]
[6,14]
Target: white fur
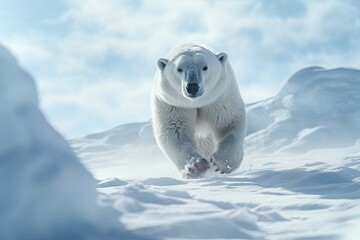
[210,126]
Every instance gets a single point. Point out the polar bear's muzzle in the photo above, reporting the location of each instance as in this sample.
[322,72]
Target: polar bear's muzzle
[192,85]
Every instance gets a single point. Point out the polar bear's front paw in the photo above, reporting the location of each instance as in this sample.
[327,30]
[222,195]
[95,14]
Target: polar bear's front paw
[221,167]
[196,168]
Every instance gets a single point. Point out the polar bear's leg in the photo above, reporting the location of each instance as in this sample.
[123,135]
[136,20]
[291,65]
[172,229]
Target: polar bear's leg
[206,145]
[229,153]
[174,133]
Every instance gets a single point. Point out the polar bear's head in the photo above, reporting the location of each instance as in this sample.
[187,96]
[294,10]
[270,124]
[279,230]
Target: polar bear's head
[192,75]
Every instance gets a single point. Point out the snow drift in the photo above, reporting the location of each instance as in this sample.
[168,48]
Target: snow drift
[317,108]
[46,193]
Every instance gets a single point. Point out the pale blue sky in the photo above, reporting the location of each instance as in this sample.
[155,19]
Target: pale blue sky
[94,60]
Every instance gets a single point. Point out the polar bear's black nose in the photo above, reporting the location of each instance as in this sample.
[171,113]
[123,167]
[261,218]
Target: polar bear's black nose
[192,88]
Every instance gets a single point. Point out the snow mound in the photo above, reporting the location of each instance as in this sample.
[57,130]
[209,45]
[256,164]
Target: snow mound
[46,193]
[317,108]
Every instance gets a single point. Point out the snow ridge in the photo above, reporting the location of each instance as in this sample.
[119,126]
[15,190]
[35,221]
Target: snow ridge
[317,108]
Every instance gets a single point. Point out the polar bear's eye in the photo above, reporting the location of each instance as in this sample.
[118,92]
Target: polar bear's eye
[179,70]
[205,68]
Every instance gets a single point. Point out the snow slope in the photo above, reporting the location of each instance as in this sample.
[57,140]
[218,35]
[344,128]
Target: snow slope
[118,149]
[46,193]
[317,108]
[300,178]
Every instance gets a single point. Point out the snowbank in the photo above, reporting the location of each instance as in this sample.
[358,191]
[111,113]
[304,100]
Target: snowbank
[46,193]
[317,108]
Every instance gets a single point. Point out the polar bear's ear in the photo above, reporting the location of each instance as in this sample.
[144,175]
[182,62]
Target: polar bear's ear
[222,57]
[161,63]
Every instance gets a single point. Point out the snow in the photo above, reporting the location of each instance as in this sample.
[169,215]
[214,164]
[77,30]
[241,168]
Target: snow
[46,193]
[300,178]
[317,108]
[274,196]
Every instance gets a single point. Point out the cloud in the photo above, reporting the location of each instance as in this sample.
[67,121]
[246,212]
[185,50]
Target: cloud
[99,49]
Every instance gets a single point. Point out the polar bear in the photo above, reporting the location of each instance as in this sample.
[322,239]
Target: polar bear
[198,115]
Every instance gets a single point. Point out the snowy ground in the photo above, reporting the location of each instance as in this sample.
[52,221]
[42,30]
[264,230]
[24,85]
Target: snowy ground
[282,196]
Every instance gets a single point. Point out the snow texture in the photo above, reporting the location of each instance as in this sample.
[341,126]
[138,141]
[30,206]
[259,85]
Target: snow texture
[46,193]
[300,178]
